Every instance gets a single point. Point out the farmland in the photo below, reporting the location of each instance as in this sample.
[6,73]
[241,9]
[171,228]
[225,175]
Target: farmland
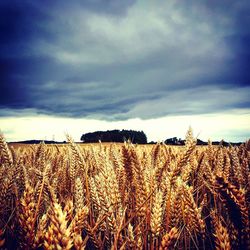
[124,196]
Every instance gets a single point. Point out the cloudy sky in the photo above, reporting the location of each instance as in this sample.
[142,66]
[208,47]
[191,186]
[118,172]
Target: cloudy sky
[157,66]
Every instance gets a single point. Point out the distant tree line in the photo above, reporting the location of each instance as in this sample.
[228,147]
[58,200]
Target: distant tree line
[136,137]
[115,136]
[176,141]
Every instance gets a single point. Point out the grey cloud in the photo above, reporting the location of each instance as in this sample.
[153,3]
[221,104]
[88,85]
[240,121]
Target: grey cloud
[193,101]
[124,59]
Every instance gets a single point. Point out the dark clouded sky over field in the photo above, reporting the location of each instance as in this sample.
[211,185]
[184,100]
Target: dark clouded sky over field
[156,65]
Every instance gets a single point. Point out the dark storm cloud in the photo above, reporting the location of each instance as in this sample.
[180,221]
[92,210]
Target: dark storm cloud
[112,7]
[122,59]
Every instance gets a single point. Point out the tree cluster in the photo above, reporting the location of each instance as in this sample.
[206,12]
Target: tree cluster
[138,137]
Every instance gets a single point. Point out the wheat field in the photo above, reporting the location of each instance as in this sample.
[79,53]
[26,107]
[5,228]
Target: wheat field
[124,196]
